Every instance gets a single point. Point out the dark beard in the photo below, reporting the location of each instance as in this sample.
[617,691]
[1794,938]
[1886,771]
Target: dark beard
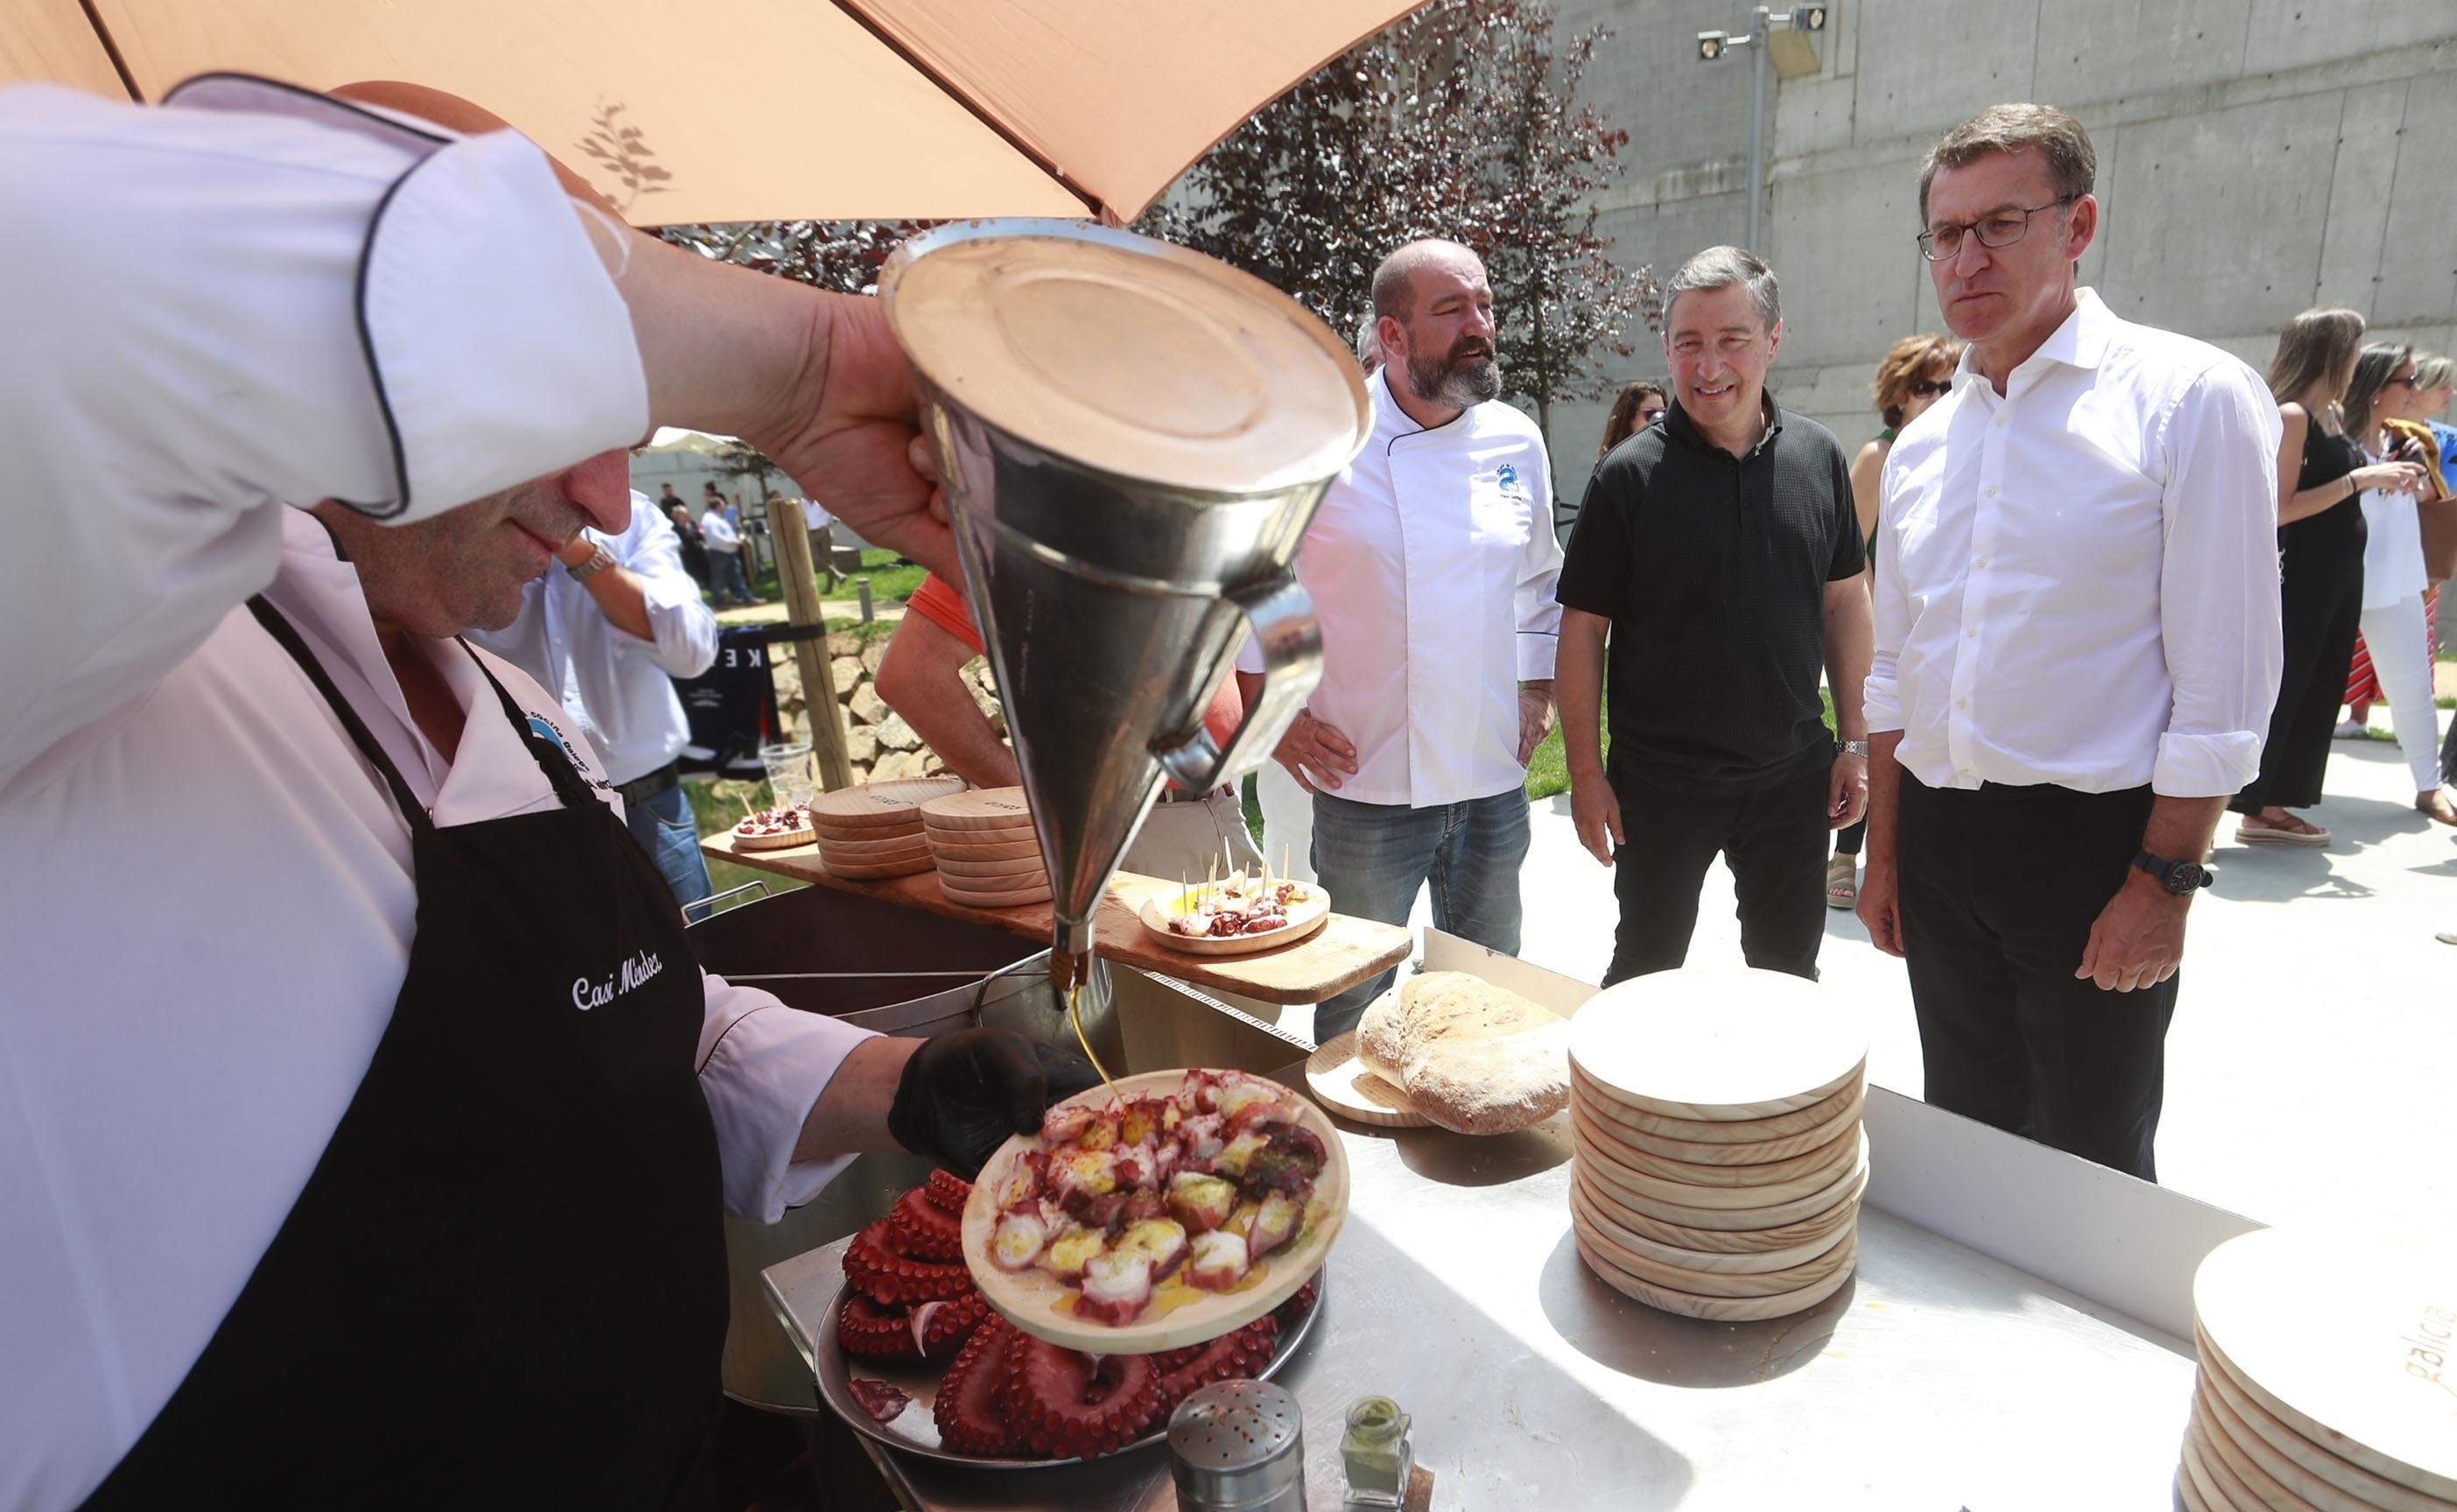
[1454,382]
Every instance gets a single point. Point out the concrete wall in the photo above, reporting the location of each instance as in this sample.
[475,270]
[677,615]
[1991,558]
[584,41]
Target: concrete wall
[2255,157]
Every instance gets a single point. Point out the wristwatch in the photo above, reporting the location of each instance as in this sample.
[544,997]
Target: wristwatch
[598,562]
[1857,748]
[2183,879]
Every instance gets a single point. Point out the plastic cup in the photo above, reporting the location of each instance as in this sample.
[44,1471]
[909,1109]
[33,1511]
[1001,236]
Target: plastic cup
[788,773]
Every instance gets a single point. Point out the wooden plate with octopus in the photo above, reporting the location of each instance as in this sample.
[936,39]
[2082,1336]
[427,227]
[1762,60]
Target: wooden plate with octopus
[1233,1199]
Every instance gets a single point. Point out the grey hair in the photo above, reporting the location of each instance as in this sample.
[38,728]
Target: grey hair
[1720,268]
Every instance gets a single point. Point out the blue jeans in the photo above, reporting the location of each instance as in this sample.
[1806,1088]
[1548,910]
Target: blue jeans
[728,581]
[1372,857]
[666,829]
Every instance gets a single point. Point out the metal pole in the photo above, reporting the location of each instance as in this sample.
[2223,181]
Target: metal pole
[1760,31]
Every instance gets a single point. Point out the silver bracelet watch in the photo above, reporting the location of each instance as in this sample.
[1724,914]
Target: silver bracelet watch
[598,562]
[1857,748]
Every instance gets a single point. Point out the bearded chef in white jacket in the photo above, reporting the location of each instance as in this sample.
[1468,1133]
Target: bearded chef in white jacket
[362,1092]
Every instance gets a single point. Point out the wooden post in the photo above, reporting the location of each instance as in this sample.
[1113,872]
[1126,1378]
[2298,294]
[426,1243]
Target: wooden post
[822,718]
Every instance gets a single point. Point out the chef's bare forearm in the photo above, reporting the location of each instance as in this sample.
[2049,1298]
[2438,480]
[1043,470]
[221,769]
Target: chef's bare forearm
[850,1117]
[2181,829]
[922,679]
[1885,797]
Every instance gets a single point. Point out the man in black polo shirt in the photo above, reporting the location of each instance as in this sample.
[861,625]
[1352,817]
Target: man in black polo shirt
[1720,551]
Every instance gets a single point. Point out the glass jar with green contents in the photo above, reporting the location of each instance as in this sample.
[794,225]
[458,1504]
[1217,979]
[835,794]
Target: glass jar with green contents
[1376,1453]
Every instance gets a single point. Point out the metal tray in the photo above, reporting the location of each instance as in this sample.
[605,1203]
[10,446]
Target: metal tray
[914,1433]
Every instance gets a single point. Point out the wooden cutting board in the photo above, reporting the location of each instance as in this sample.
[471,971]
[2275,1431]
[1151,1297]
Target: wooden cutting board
[1033,889]
[2335,1337]
[873,803]
[2217,1485]
[989,871]
[1626,1151]
[1719,1309]
[2369,1490]
[872,842]
[1345,951]
[1026,849]
[841,861]
[1343,1084]
[998,811]
[1811,1181]
[1826,1115]
[1713,1283]
[1718,1045]
[885,869]
[1823,1226]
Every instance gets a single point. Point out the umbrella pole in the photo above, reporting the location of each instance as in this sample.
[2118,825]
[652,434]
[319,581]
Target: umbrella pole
[822,717]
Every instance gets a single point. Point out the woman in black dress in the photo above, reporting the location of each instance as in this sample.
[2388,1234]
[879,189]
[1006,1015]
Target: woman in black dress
[2321,590]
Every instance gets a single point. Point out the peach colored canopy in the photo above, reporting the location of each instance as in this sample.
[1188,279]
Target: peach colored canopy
[758,110]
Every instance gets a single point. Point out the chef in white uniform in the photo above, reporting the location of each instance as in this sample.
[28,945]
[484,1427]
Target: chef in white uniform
[360,1093]
[1431,564]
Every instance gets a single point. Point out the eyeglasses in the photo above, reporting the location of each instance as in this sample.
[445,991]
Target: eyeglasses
[2404,381]
[2000,228]
[1931,388]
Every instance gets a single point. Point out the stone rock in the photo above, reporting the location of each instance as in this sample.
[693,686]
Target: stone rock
[896,735]
[873,654]
[895,765]
[933,766]
[861,745]
[846,672]
[843,643]
[985,700]
[866,705]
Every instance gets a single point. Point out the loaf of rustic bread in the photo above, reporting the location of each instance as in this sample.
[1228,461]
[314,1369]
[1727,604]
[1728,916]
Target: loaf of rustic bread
[1471,1056]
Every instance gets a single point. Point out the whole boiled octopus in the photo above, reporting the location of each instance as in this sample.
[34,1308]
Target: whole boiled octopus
[1005,1392]
[1204,1183]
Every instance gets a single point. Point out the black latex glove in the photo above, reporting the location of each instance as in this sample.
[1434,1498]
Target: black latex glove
[963,1093]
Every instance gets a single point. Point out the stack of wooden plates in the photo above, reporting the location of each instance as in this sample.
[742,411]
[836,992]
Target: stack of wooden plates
[1719,1154]
[984,848]
[874,830]
[2329,1378]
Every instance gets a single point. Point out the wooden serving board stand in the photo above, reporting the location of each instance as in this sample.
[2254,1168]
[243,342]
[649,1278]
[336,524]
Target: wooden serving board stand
[1342,952]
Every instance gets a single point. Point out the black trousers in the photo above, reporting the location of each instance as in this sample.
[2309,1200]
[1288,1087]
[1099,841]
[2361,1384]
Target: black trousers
[1999,888]
[2320,598]
[1774,838]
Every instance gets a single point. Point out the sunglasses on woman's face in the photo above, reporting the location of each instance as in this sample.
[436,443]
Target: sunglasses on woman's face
[1931,388]
[1649,415]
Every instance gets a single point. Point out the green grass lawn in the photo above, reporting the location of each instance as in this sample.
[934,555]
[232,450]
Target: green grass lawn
[1548,770]
[889,582]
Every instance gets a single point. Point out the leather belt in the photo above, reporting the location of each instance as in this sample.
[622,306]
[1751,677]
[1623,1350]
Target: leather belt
[639,790]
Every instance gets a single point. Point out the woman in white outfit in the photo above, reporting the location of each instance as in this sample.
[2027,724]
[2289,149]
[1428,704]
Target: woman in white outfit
[2397,629]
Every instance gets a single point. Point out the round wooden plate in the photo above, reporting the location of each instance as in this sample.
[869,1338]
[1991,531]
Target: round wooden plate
[1040,1306]
[989,871]
[992,809]
[2222,1446]
[1726,1241]
[1838,1168]
[833,842]
[2369,1490]
[870,803]
[1016,886]
[1718,1309]
[831,856]
[866,873]
[1828,1115]
[2188,1490]
[1694,1173]
[1718,1045]
[1777,1216]
[1004,851]
[1758,1262]
[1343,1084]
[2320,1328]
[2219,1488]
[1611,1117]
[773,843]
[993,900]
[1306,915]
[1714,1283]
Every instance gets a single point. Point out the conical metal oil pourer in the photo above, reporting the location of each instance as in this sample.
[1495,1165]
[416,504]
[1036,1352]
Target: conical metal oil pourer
[1133,439]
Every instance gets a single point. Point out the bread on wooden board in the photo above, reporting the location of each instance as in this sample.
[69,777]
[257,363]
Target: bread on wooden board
[1474,1057]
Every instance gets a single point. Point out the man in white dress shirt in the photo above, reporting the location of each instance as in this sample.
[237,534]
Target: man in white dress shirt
[608,631]
[2077,650]
[379,1098]
[719,527]
[1431,564]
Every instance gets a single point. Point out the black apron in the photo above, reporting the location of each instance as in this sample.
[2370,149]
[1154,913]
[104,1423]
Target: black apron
[504,1282]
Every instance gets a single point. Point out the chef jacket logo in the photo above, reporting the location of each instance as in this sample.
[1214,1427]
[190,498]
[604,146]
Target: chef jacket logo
[586,994]
[544,729]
